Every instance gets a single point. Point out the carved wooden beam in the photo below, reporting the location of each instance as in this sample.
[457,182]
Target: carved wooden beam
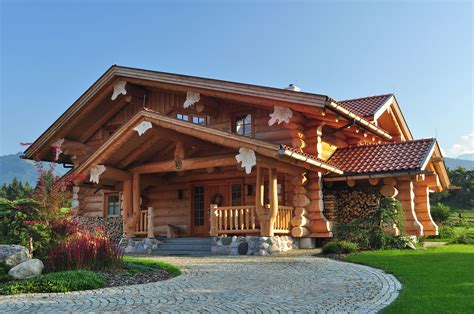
[186,164]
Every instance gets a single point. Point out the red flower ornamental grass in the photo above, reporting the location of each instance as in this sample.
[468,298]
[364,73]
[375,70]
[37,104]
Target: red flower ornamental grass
[85,250]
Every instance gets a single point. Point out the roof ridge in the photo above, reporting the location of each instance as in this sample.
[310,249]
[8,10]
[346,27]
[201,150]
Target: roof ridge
[366,97]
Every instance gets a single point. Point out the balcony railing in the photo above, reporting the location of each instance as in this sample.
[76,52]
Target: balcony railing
[244,220]
[142,225]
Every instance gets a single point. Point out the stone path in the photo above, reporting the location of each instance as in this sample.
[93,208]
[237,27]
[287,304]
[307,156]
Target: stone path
[235,285]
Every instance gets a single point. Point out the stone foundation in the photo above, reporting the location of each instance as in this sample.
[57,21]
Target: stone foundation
[138,245]
[113,226]
[252,245]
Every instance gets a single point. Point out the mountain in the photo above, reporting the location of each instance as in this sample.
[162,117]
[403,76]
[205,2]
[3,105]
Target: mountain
[24,170]
[466,156]
[453,163]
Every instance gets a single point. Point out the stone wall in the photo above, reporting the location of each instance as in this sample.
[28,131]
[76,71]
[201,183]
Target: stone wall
[343,203]
[113,226]
[252,245]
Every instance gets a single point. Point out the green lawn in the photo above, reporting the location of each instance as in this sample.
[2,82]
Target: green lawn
[437,280]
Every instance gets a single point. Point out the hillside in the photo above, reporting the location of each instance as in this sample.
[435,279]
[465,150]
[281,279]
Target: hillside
[24,170]
[453,163]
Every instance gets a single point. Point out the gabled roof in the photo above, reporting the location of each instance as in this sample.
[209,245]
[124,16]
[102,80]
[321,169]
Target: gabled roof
[211,87]
[366,106]
[388,157]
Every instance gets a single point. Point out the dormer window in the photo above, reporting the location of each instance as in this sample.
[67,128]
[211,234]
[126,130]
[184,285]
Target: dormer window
[243,124]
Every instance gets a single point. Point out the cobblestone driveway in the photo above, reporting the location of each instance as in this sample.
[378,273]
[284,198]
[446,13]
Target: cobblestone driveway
[239,284]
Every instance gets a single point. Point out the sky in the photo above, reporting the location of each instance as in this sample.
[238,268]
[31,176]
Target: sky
[422,51]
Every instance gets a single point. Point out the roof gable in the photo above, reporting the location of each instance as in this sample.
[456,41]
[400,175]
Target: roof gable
[366,106]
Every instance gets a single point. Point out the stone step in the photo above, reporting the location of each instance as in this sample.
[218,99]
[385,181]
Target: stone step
[199,241]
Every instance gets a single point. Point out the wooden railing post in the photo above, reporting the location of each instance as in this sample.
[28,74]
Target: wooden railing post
[213,220]
[150,227]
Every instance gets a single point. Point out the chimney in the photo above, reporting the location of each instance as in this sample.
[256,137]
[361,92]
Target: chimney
[293,87]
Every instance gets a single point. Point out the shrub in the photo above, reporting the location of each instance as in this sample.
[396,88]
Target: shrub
[463,238]
[340,247]
[370,233]
[55,282]
[86,250]
[446,232]
[4,277]
[440,213]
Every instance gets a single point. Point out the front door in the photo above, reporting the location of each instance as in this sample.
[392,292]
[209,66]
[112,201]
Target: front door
[203,196]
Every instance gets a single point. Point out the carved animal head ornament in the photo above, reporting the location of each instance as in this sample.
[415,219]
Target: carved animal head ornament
[96,171]
[119,88]
[191,99]
[57,148]
[280,114]
[247,159]
[143,127]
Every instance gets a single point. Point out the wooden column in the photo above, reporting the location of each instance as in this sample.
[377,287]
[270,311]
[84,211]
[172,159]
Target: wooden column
[320,226]
[135,200]
[150,226]
[127,208]
[406,196]
[213,220]
[273,196]
[259,190]
[422,209]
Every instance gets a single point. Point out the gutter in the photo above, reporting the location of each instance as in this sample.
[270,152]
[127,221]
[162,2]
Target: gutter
[375,176]
[282,151]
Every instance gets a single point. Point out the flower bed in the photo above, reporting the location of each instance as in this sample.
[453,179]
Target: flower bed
[134,271]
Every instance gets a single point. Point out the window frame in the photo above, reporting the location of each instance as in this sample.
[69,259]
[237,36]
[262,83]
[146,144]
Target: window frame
[239,114]
[105,210]
[191,117]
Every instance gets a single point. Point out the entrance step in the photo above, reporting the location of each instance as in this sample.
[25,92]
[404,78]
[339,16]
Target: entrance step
[183,247]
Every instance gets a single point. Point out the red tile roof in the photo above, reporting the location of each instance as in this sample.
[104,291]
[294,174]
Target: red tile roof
[366,106]
[387,157]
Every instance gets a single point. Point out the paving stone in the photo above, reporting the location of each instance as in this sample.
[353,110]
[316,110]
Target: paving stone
[248,284]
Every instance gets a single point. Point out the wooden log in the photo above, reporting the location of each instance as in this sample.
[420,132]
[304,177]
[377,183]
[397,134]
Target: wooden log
[298,143]
[388,191]
[300,221]
[301,200]
[300,211]
[299,232]
[186,164]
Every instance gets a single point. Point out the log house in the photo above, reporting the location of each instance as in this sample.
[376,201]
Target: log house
[197,157]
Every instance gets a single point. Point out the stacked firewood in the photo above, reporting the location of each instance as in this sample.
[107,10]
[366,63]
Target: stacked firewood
[345,205]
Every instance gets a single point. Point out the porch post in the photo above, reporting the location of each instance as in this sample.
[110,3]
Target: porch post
[151,216]
[273,195]
[135,201]
[127,207]
[213,220]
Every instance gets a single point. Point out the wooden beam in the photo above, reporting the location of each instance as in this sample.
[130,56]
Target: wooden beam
[186,164]
[273,195]
[138,152]
[127,206]
[115,174]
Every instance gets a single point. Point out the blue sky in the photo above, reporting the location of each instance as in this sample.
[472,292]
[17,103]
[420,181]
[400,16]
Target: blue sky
[52,51]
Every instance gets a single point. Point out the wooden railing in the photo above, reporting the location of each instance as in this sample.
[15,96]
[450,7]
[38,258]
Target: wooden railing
[283,220]
[142,225]
[234,220]
[244,220]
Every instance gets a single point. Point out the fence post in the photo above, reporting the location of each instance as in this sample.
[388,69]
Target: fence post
[213,220]
[150,231]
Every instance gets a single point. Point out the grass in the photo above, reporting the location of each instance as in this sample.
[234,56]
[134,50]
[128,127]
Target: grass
[458,231]
[437,280]
[65,281]
[139,264]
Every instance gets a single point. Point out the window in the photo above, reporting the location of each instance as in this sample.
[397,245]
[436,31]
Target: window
[113,204]
[192,118]
[236,191]
[199,120]
[199,206]
[183,117]
[243,124]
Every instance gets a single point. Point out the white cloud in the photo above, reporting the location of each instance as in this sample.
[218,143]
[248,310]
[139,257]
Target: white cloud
[465,146]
